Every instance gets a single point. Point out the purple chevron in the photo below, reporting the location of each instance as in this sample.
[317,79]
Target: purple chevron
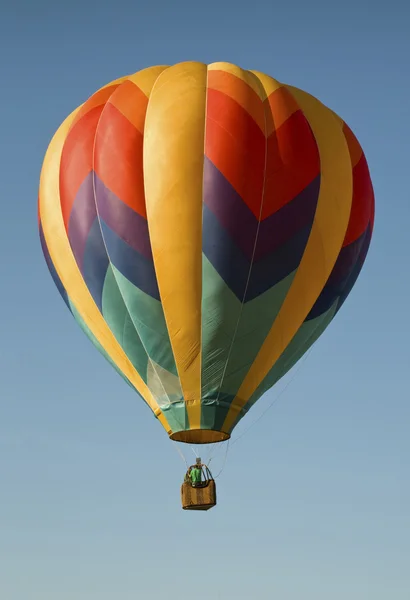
[82,217]
[126,223]
[241,224]
[344,273]
[355,272]
[122,220]
[238,271]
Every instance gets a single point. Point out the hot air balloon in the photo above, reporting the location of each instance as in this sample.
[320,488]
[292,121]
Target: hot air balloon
[204,224]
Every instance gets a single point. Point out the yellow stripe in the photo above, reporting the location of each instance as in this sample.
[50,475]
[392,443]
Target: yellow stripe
[67,269]
[269,84]
[173,174]
[323,247]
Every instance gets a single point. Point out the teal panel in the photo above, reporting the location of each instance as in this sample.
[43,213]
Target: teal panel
[220,313]
[255,323]
[147,323]
[148,318]
[119,321]
[177,416]
[307,335]
[224,320]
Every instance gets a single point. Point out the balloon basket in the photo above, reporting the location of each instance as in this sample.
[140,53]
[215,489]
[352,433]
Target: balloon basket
[202,497]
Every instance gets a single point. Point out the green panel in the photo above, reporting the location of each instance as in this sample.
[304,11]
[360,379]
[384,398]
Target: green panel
[214,412]
[148,318]
[176,415]
[220,313]
[146,331]
[254,325]
[118,320]
[224,320]
[307,335]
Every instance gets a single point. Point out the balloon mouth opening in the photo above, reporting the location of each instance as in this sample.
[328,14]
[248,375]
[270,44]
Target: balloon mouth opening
[200,436]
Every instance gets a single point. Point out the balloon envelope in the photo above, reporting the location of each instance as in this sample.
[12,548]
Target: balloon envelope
[204,225]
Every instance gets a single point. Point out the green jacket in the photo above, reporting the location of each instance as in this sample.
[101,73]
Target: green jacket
[196,475]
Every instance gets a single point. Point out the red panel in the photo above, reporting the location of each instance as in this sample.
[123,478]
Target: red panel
[362,204]
[118,158]
[76,159]
[236,146]
[292,162]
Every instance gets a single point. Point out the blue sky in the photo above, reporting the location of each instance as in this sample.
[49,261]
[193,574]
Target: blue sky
[89,483]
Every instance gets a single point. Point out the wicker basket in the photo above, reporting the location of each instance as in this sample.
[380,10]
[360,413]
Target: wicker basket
[202,497]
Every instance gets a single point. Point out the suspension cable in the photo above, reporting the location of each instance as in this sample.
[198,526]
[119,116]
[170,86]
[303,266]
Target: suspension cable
[275,399]
[175,444]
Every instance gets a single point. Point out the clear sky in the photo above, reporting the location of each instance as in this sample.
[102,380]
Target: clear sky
[89,483]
